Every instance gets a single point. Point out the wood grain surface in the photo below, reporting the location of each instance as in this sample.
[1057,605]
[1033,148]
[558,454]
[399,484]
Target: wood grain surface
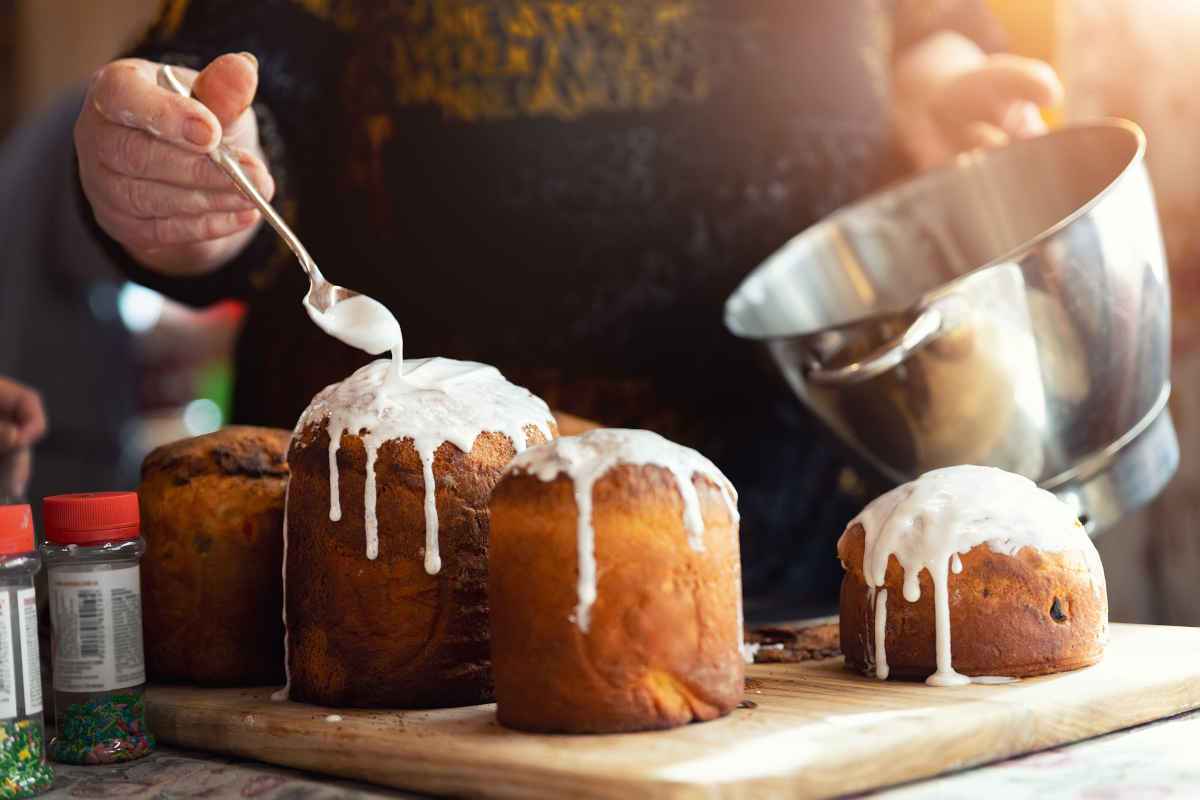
[814,730]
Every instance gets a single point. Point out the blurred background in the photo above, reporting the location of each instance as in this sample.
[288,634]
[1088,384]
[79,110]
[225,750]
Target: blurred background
[162,370]
[157,371]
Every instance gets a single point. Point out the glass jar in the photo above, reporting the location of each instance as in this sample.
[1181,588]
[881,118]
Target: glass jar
[93,549]
[23,768]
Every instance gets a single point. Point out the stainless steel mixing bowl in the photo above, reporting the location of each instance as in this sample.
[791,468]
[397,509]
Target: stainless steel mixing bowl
[1011,309]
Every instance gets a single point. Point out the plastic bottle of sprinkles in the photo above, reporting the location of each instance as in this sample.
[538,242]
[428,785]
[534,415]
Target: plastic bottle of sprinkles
[23,768]
[92,552]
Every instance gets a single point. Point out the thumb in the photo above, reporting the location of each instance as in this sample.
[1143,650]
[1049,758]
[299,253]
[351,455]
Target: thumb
[227,86]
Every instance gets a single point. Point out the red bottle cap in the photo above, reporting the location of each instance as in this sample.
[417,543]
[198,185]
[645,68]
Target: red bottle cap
[16,530]
[91,518]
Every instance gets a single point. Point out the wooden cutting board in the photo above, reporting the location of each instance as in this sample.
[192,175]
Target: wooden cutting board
[815,730]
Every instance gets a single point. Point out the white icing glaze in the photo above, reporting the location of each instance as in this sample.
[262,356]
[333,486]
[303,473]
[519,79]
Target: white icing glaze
[587,458]
[748,650]
[335,494]
[428,401]
[361,322]
[928,523]
[282,694]
[881,666]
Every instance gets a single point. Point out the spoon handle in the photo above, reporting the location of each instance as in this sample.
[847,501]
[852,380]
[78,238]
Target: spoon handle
[228,162]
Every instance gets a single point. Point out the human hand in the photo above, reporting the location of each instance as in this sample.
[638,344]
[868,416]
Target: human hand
[22,416]
[22,424]
[950,96]
[144,166]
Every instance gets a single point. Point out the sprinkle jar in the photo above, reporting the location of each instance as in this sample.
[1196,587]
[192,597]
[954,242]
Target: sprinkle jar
[23,768]
[93,549]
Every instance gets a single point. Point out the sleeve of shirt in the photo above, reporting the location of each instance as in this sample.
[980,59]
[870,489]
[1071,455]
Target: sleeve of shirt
[916,19]
[191,34]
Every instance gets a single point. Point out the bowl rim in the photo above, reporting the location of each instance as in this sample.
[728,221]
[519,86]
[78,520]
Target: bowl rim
[932,175]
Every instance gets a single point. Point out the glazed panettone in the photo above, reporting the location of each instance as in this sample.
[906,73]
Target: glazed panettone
[970,573]
[212,517]
[615,586]
[387,532]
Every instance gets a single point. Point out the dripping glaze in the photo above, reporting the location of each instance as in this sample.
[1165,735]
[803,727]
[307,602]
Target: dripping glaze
[281,695]
[929,523]
[587,458]
[428,401]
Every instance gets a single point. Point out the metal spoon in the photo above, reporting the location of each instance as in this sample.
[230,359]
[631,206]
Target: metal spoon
[322,295]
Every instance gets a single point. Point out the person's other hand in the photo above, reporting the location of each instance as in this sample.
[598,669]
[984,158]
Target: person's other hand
[144,166]
[950,96]
[22,424]
[22,416]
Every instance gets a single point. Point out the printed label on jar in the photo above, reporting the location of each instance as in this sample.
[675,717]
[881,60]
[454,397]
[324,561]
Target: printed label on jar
[31,660]
[8,672]
[97,622]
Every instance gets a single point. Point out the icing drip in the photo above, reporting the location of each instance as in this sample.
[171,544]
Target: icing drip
[928,523]
[335,499]
[585,553]
[371,521]
[881,667]
[587,458]
[282,694]
[433,560]
[429,402]
[945,675]
[748,649]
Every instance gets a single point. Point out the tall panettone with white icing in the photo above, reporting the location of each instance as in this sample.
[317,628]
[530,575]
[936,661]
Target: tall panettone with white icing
[970,573]
[387,531]
[615,586]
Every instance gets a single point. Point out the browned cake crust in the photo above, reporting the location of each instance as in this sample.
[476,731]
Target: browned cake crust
[661,650]
[384,633]
[793,644]
[1017,616]
[212,516]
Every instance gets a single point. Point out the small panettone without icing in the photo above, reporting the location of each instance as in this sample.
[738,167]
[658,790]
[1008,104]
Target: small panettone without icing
[212,516]
[615,587]
[969,572]
[387,533]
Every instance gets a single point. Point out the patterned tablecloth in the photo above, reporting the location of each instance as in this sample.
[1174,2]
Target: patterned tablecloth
[1160,760]
[170,773]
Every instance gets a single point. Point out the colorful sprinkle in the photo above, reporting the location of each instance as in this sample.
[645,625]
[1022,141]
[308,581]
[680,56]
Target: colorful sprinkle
[22,761]
[104,730]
